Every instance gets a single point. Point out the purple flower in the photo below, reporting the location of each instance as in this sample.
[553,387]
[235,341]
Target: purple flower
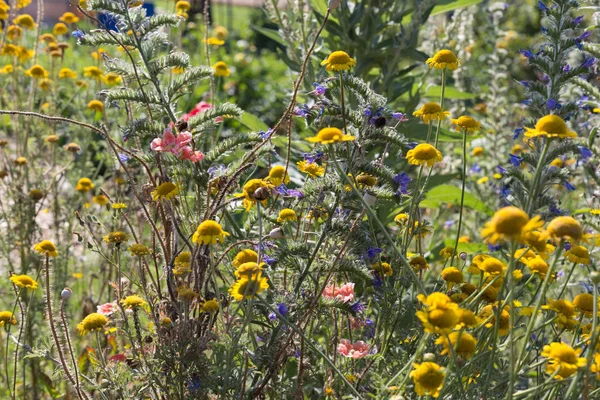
[501,169]
[402,180]
[399,116]
[560,274]
[216,170]
[265,245]
[272,316]
[476,168]
[412,145]
[295,193]
[566,68]
[525,83]
[194,384]
[493,248]
[551,103]
[369,330]
[319,89]
[303,111]
[588,62]
[282,308]
[368,112]
[79,34]
[264,135]
[577,20]
[517,132]
[269,260]
[542,6]
[313,157]
[584,36]
[585,153]
[123,157]
[568,186]
[515,160]
[372,253]
[357,307]
[587,286]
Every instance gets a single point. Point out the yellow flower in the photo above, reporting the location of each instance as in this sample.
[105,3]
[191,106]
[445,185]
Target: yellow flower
[339,61]
[584,302]
[221,69]
[383,269]
[401,219]
[37,72]
[7,69]
[443,59]
[418,263]
[329,136]
[209,232]
[133,301]
[166,190]
[424,154]
[213,41]
[7,317]
[221,32]
[509,223]
[428,378]
[564,227]
[210,306]
[118,206]
[26,21]
[477,151]
[45,84]
[112,79]
[462,343]
[276,175]
[578,254]
[562,358]
[60,29]
[551,126]
[14,32]
[482,180]
[47,248]
[84,185]
[286,215]
[245,256]
[97,55]
[492,266]
[182,6]
[93,322]
[245,288]
[20,161]
[24,281]
[249,189]
[431,112]
[100,199]
[563,307]
[311,169]
[93,72]
[447,252]
[248,270]
[96,105]
[67,73]
[538,266]
[69,18]
[48,38]
[440,314]
[467,124]
[116,237]
[452,275]
[139,250]
[23,3]
[490,311]
[182,263]
[10,50]
[466,318]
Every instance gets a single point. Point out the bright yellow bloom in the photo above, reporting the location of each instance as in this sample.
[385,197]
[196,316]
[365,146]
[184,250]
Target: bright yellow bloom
[24,281]
[97,55]
[14,32]
[462,343]
[93,322]
[248,270]
[245,288]
[383,269]
[443,59]
[221,69]
[578,254]
[276,175]
[492,266]
[84,185]
[46,247]
[221,32]
[490,311]
[440,314]
[564,227]
[213,41]
[447,252]
[67,73]
[133,301]
[563,358]
[418,263]
[286,215]
[60,29]
[93,72]
[139,250]
[339,61]
[431,112]
[249,190]
[509,223]
[182,6]
[428,378]
[452,275]
[37,72]
[551,126]
[311,169]
[584,302]
[118,206]
[23,3]
[69,18]
[209,232]
[424,154]
[467,124]
[112,79]
[7,317]
[96,105]
[401,219]
[116,237]
[166,190]
[210,306]
[245,256]
[563,307]
[538,266]
[7,69]
[329,136]
[182,263]
[45,84]
[26,21]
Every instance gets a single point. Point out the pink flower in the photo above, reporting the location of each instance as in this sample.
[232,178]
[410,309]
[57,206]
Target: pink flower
[188,154]
[177,145]
[107,309]
[200,107]
[357,350]
[345,293]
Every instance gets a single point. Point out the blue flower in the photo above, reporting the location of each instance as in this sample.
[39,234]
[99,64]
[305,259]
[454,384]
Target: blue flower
[551,103]
[448,224]
[269,260]
[313,157]
[264,135]
[194,384]
[493,248]
[319,89]
[399,116]
[402,180]
[525,83]
[588,62]
[79,34]
[567,246]
[556,211]
[369,328]
[585,153]
[587,286]
[272,316]
[584,36]
[295,193]
[577,20]
[412,145]
[566,68]
[282,308]
[527,53]
[515,160]
[123,157]
[303,111]
[368,112]
[501,169]
[476,168]
[372,253]
[517,132]
[542,6]
[216,170]
[568,186]
[357,307]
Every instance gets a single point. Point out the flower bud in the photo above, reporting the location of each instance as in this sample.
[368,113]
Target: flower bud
[370,198]
[66,293]
[333,4]
[276,233]
[428,357]
[595,277]
[262,193]
[463,255]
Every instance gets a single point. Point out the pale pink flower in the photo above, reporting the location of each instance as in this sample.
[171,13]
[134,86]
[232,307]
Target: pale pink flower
[344,293]
[188,154]
[177,145]
[107,309]
[200,107]
[357,350]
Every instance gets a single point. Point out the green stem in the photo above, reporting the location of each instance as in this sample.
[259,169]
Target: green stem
[533,190]
[439,124]
[462,195]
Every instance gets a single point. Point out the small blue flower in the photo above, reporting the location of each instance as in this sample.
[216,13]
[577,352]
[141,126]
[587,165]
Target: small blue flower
[123,157]
[272,316]
[216,170]
[264,135]
[542,6]
[303,111]
[194,384]
[369,328]
[577,20]
[566,68]
[295,193]
[282,308]
[527,53]
[585,153]
[569,187]
[368,113]
[515,160]
[476,168]
[372,253]
[588,62]
[399,116]
[268,260]
[79,34]
[525,83]
[412,145]
[587,286]
[313,157]
[493,248]
[402,180]
[448,224]
[517,132]
[567,246]
[560,274]
[551,103]
[357,307]
[319,89]
[584,36]
[501,169]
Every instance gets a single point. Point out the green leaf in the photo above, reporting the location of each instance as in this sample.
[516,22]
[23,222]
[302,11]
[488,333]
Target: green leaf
[449,93]
[418,132]
[445,6]
[470,248]
[253,123]
[449,194]
[271,34]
